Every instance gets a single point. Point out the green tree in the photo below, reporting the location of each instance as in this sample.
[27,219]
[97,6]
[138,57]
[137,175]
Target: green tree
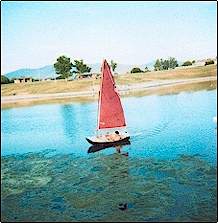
[113,65]
[173,63]
[193,61]
[157,65]
[81,67]
[146,69]
[136,70]
[187,63]
[166,64]
[63,67]
[161,64]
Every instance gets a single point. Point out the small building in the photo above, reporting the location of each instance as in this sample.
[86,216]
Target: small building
[46,79]
[23,80]
[96,75]
[17,81]
[84,75]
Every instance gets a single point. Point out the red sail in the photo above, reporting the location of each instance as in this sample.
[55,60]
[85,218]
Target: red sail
[110,109]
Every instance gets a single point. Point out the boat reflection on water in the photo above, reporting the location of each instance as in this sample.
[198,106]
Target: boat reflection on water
[117,174]
[117,145]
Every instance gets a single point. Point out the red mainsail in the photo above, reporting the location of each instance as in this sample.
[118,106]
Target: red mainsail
[110,112]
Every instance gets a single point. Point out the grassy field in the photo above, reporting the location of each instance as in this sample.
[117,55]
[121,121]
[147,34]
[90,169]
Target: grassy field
[60,86]
[179,73]
[175,89]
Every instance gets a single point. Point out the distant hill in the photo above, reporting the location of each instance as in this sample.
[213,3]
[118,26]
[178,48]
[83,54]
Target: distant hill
[43,72]
[49,71]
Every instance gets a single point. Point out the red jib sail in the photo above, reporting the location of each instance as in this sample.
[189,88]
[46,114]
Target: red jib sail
[110,113]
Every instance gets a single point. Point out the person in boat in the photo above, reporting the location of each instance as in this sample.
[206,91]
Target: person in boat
[114,136]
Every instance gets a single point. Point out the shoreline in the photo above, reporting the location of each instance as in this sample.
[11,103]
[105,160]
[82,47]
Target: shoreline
[137,89]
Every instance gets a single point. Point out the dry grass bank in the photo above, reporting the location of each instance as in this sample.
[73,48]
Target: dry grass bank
[179,73]
[61,86]
[161,90]
[41,87]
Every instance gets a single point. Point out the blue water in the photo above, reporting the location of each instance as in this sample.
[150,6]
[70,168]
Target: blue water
[161,126]
[173,149]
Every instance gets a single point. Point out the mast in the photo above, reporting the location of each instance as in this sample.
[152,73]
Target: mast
[99,96]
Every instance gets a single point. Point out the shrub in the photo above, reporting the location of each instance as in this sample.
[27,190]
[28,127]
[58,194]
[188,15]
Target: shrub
[187,63]
[59,77]
[208,62]
[5,80]
[136,70]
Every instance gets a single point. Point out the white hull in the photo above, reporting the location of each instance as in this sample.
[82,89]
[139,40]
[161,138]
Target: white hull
[102,139]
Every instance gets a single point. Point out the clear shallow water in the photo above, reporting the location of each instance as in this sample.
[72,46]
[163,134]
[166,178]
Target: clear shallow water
[170,173]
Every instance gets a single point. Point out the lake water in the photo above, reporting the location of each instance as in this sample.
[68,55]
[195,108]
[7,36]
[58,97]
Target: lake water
[169,174]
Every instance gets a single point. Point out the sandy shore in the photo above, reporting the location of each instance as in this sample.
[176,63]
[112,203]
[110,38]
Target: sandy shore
[131,89]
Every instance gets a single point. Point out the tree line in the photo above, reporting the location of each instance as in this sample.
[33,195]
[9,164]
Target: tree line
[64,66]
[160,64]
[165,64]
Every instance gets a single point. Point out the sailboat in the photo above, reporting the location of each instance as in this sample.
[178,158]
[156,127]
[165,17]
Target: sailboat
[111,124]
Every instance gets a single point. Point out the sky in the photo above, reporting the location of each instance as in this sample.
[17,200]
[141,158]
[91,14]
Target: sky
[34,34]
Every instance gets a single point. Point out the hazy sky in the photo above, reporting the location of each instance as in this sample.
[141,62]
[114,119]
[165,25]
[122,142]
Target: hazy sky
[34,34]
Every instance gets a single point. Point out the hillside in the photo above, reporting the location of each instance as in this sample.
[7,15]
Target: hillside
[49,72]
[38,73]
